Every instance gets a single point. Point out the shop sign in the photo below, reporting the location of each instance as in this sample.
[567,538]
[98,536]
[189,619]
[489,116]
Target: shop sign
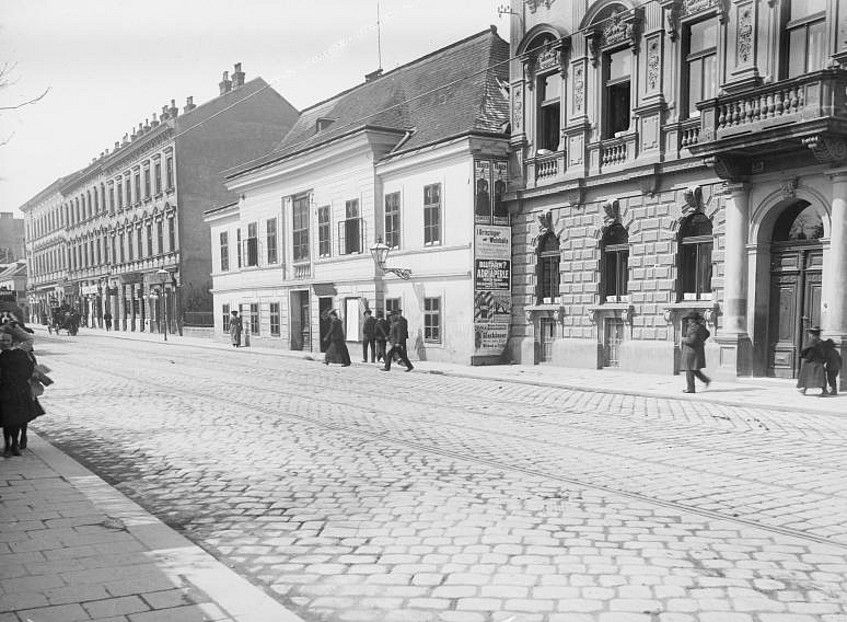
[89,290]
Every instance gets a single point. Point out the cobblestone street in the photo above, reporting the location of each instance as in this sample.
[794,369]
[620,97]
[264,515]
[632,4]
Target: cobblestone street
[354,495]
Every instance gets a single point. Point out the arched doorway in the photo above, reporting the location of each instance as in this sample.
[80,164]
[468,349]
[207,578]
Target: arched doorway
[795,299]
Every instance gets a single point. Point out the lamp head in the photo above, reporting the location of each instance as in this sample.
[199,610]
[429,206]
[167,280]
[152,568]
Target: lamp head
[379,251]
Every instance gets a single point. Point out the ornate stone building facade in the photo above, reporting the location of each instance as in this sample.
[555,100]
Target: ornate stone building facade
[101,238]
[678,155]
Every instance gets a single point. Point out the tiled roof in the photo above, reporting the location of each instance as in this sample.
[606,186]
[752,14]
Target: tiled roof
[456,90]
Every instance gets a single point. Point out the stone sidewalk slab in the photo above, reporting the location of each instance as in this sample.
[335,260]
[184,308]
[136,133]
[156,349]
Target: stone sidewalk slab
[771,393]
[72,548]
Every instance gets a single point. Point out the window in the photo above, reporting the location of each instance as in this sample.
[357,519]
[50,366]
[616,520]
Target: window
[548,268]
[701,40]
[324,232]
[112,197]
[252,244]
[300,228]
[129,253]
[238,246]
[128,190]
[138,236]
[275,319]
[392,220]
[122,247]
[224,251]
[138,187]
[616,71]
[432,320]
[695,257]
[391,305]
[549,101]
[225,317]
[157,177]
[96,201]
[350,234]
[169,172]
[806,39]
[254,318]
[270,227]
[150,252]
[160,236]
[120,194]
[147,182]
[432,214]
[171,234]
[615,263]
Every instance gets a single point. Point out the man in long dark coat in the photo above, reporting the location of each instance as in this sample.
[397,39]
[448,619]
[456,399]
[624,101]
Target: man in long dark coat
[369,337]
[337,351]
[382,330]
[17,406]
[398,336]
[693,352]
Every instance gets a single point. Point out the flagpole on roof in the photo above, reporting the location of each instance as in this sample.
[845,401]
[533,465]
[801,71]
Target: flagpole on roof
[378,37]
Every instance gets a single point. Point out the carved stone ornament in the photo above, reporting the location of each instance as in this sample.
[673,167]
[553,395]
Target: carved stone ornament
[591,314]
[673,11]
[788,187]
[744,41]
[578,88]
[627,313]
[548,224]
[827,149]
[533,5]
[693,196]
[618,30]
[611,212]
[517,109]
[726,167]
[690,7]
[548,59]
[653,62]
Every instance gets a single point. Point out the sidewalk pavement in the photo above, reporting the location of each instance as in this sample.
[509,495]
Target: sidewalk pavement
[770,393]
[74,548]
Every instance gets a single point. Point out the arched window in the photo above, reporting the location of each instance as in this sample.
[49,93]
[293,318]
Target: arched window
[615,263]
[617,70]
[799,222]
[548,268]
[695,257]
[548,93]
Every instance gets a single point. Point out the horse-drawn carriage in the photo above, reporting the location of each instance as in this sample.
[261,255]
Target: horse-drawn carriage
[63,318]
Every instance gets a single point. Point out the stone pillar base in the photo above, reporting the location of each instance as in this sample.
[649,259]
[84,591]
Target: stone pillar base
[733,356]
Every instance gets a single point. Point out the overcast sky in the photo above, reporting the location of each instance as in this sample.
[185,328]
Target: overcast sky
[111,63]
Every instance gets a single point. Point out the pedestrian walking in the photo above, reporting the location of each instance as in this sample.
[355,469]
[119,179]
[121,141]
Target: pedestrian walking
[398,335]
[17,405]
[693,352]
[336,351]
[107,320]
[382,329]
[236,326]
[812,364]
[369,337]
[832,364]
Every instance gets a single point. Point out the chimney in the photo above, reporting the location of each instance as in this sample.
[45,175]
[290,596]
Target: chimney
[189,104]
[165,114]
[370,77]
[225,83]
[133,135]
[117,145]
[126,139]
[155,121]
[237,76]
[147,124]
[173,110]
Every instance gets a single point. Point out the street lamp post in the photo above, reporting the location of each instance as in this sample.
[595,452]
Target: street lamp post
[163,276]
[379,252]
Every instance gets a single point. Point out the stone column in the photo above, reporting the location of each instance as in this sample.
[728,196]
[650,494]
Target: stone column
[834,303]
[734,341]
[120,310]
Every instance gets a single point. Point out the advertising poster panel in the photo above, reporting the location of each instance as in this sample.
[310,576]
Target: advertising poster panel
[500,173]
[482,192]
[492,288]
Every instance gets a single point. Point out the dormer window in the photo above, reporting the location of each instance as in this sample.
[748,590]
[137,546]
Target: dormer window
[323,123]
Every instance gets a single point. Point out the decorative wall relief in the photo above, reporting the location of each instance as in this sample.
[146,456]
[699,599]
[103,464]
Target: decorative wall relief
[653,63]
[533,5]
[548,58]
[693,196]
[744,38]
[611,212]
[578,88]
[617,30]
[517,109]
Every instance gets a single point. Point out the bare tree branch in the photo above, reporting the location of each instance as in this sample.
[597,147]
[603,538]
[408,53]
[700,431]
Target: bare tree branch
[27,103]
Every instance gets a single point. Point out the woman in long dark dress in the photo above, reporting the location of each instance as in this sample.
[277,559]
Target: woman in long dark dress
[812,359]
[337,351]
[17,406]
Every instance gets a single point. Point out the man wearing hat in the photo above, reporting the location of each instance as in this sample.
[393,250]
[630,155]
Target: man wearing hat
[812,359]
[398,335]
[692,351]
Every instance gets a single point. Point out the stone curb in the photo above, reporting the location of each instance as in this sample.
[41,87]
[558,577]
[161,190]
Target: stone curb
[174,555]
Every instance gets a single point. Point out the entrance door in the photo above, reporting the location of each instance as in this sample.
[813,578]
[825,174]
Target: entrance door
[795,297]
[324,307]
[547,326]
[301,323]
[613,331]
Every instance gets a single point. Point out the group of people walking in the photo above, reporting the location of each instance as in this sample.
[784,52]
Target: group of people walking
[819,366]
[22,379]
[377,333]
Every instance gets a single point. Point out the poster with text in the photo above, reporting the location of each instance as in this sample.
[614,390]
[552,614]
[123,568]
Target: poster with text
[492,288]
[500,174]
[490,339]
[482,191]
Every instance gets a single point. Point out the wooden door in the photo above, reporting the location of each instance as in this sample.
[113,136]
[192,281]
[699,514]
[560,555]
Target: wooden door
[795,306]
[612,338]
[547,327]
